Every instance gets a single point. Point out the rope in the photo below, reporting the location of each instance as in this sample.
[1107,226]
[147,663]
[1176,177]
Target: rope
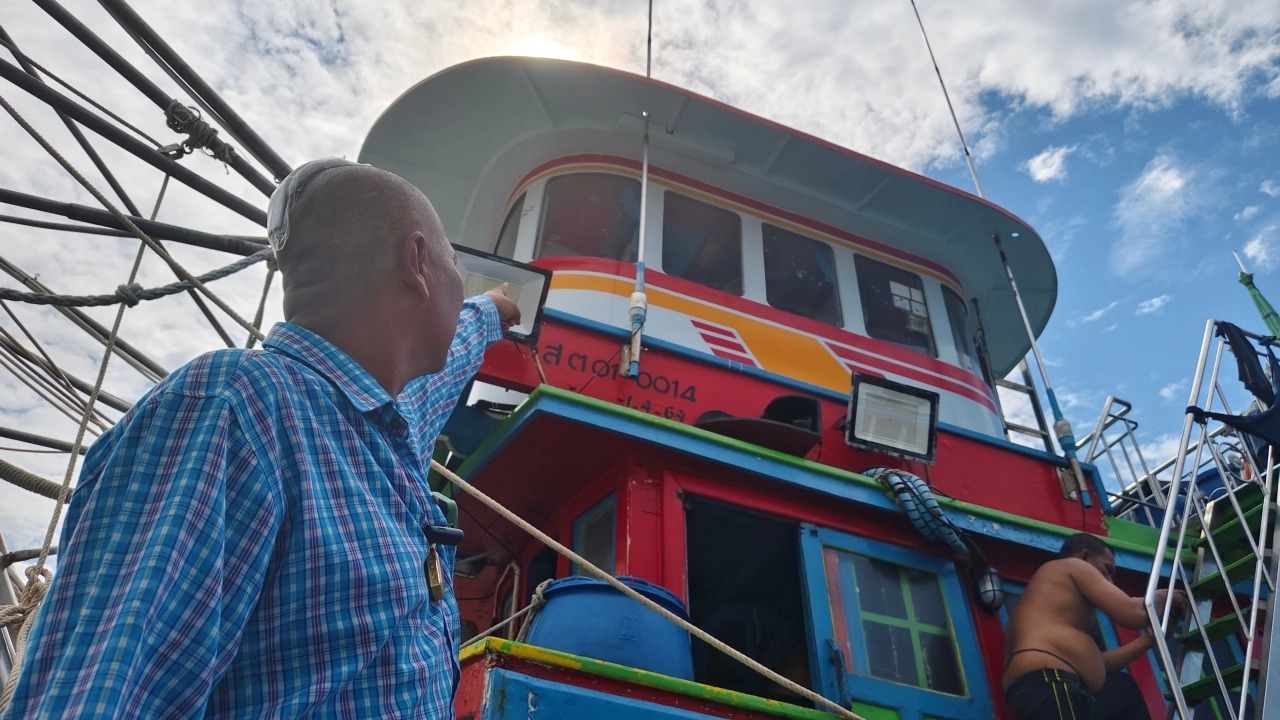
[916,500]
[38,575]
[29,481]
[612,581]
[201,135]
[262,301]
[38,385]
[132,293]
[96,105]
[535,604]
[180,271]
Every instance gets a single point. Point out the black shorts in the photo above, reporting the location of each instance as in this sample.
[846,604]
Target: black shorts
[1048,694]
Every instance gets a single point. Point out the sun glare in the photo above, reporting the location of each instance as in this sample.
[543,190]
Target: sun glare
[538,46]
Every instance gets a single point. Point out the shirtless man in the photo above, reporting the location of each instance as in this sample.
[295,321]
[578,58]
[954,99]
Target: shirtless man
[1054,668]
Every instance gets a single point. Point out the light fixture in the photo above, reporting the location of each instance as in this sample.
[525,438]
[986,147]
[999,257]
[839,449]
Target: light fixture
[988,588]
[528,289]
[892,418]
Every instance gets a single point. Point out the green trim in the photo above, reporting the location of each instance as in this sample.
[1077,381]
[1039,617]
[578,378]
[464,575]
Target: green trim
[567,661]
[1129,539]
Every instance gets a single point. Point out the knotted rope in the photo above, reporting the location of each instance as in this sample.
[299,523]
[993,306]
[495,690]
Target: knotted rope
[132,293]
[200,134]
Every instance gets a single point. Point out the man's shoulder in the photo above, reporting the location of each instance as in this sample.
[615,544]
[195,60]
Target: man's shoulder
[229,373]
[1058,571]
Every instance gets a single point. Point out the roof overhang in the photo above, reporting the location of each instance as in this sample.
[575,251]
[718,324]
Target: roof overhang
[469,134]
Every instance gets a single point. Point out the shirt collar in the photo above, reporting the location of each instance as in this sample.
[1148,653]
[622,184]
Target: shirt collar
[322,356]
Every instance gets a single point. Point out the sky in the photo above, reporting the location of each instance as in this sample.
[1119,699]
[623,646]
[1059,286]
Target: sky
[1139,138]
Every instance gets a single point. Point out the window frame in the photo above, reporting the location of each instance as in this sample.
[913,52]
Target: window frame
[609,503]
[684,273]
[859,685]
[548,195]
[863,287]
[834,300]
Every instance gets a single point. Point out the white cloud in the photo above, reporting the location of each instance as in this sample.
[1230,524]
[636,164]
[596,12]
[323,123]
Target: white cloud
[1095,315]
[1151,209]
[1264,249]
[1173,390]
[311,76]
[1270,187]
[1246,214]
[1050,164]
[1147,307]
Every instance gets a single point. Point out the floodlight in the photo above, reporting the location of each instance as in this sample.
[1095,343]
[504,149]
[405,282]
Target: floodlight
[528,287]
[892,418]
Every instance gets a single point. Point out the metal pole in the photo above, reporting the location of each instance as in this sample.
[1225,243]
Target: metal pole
[163,231]
[1061,427]
[235,126]
[148,88]
[151,156]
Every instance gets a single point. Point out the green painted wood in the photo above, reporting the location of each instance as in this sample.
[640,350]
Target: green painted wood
[1231,532]
[1199,690]
[1216,629]
[1238,570]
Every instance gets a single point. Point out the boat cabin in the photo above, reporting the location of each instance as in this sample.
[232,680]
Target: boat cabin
[815,319]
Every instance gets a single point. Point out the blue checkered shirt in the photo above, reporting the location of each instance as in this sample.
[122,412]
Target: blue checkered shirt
[247,543]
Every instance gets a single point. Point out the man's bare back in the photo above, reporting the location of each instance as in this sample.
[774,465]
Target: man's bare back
[1053,623]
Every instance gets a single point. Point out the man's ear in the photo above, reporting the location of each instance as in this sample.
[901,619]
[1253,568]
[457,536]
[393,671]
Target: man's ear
[414,261]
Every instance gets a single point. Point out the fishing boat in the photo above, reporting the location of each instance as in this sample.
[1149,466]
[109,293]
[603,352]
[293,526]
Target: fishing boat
[817,372]
[759,382]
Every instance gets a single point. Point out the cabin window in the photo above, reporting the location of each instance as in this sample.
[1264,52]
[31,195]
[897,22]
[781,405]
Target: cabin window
[594,535]
[590,214]
[702,243]
[905,630]
[958,314]
[800,275]
[893,305]
[506,246]
[897,623]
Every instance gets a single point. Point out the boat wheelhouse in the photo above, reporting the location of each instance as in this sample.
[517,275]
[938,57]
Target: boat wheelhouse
[778,268]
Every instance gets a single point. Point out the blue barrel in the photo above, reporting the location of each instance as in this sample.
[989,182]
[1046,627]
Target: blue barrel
[588,617]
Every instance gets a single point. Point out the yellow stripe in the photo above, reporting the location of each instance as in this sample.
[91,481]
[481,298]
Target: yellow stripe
[778,349]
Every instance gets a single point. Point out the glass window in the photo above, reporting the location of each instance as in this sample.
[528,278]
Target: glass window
[510,229]
[800,275]
[594,534]
[958,314]
[893,305]
[905,628]
[591,214]
[702,243]
[896,628]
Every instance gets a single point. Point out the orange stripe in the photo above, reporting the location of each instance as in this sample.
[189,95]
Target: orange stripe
[781,350]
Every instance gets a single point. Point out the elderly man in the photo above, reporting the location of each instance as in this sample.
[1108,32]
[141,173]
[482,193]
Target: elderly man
[250,540]
[1054,667]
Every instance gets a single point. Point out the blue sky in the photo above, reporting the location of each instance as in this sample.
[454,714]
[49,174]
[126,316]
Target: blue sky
[1139,138]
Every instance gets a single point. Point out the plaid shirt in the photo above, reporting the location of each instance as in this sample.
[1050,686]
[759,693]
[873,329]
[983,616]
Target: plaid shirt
[247,543]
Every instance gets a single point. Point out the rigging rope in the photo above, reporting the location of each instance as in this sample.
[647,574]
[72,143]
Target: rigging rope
[180,271]
[132,293]
[620,587]
[201,135]
[28,481]
[96,105]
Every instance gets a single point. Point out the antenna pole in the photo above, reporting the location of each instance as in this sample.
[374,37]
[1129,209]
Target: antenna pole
[1061,428]
[648,51]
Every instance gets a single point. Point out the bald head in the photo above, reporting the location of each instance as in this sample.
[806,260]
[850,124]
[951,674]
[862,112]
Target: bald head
[345,226]
[366,265]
